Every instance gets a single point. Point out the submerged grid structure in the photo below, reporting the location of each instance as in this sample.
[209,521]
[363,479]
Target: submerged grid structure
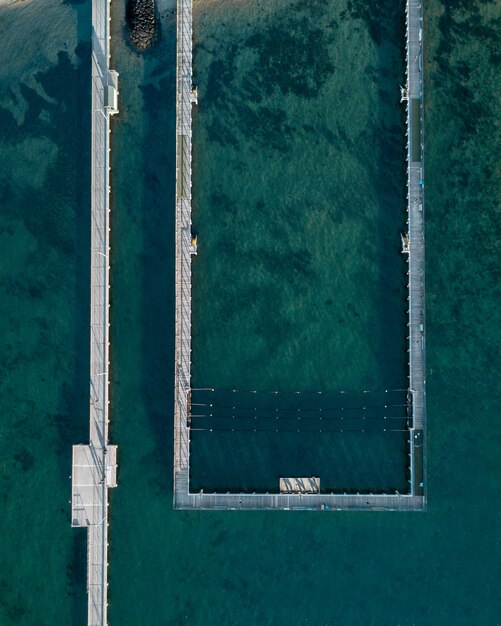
[292,498]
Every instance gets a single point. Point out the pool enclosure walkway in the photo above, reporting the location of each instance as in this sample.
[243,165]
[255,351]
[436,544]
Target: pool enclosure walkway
[412,95]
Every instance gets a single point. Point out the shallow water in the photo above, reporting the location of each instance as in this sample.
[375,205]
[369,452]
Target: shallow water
[299,202]
[216,568]
[44,233]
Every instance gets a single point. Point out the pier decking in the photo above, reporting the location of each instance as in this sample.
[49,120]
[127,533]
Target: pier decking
[415,203]
[94,465]
[185,97]
[415,499]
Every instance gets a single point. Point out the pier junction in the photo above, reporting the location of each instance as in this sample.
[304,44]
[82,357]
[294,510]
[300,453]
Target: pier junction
[94,464]
[290,494]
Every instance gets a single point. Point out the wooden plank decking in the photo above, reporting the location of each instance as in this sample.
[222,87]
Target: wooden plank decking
[416,499]
[94,465]
[415,199]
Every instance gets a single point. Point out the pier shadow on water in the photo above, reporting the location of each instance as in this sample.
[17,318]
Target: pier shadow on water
[142,308]
[45,224]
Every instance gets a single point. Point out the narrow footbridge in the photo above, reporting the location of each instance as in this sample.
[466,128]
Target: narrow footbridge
[413,96]
[94,464]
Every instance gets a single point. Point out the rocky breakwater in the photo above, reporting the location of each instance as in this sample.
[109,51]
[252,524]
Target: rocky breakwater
[141,22]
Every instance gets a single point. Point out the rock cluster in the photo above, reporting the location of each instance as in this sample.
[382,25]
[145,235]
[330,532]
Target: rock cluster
[141,22]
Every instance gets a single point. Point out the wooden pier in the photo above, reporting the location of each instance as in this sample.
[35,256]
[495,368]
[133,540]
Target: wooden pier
[94,465]
[415,499]
[416,256]
[185,98]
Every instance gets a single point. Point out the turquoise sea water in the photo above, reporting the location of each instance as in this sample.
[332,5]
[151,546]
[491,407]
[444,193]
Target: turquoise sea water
[44,233]
[169,567]
[299,284]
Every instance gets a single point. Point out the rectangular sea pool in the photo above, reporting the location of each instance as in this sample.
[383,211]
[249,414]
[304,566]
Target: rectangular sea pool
[299,283]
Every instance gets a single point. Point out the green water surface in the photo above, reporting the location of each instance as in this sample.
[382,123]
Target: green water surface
[170,568]
[299,202]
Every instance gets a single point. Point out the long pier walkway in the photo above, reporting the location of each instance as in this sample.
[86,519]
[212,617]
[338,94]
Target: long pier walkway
[94,465]
[415,199]
[415,499]
[185,97]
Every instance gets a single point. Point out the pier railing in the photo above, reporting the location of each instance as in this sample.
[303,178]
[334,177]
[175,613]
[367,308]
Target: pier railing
[413,95]
[416,236]
[185,97]
[94,465]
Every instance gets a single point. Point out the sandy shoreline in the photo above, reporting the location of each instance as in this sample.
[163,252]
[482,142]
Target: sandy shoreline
[12,3]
